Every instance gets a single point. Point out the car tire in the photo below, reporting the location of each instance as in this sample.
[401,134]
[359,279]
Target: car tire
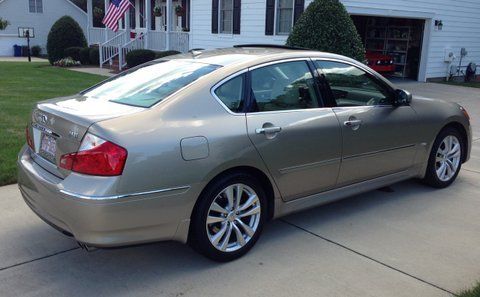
[443,168]
[217,211]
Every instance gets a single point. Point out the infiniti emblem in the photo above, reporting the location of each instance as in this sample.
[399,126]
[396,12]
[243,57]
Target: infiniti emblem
[40,117]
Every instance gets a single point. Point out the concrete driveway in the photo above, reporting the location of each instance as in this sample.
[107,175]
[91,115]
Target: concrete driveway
[409,240]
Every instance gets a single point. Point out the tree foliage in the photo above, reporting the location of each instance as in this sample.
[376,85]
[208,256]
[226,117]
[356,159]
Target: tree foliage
[65,33]
[326,26]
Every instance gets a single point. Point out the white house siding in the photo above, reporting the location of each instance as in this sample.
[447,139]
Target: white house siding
[461,26]
[17,13]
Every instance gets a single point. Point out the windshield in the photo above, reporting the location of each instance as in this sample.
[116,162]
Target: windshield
[150,84]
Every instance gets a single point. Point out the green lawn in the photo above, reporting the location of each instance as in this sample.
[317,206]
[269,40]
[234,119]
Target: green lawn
[475,292]
[21,85]
[473,84]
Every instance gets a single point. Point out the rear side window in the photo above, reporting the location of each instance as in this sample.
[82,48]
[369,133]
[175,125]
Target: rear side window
[150,84]
[231,93]
[284,86]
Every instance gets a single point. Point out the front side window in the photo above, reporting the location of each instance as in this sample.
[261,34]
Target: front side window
[35,6]
[231,93]
[226,16]
[284,86]
[352,86]
[284,21]
[150,84]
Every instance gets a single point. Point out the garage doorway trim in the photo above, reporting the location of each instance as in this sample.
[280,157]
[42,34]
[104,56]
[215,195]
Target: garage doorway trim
[426,16]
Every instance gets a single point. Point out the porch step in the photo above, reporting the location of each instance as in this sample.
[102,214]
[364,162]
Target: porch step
[114,67]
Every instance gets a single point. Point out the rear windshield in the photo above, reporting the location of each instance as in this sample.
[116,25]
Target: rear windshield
[150,84]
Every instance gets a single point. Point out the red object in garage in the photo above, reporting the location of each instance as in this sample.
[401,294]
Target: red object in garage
[380,62]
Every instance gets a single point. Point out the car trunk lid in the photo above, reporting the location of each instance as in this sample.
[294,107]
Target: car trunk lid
[58,126]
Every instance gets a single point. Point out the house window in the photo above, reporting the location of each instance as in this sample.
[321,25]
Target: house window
[284,17]
[226,16]
[35,6]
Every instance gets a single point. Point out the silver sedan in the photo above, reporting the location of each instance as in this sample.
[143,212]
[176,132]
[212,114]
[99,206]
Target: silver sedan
[207,146]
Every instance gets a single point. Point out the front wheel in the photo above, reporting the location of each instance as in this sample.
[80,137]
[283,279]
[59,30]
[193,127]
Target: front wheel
[228,218]
[445,159]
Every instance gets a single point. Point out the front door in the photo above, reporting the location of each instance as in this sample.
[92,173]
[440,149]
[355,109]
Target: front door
[299,141]
[378,138]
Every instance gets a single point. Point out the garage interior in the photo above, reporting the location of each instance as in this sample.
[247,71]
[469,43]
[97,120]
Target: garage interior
[398,39]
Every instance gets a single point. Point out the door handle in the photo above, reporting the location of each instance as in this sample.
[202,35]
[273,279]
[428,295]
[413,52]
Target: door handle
[352,123]
[268,130]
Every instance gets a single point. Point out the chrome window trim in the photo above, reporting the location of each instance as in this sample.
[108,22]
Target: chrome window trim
[121,196]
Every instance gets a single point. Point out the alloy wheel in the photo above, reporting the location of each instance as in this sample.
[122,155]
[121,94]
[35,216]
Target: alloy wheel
[447,158]
[233,217]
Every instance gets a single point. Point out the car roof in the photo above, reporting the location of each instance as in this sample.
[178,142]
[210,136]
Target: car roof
[249,54]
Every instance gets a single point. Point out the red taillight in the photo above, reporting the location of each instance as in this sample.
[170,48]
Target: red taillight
[96,157]
[29,137]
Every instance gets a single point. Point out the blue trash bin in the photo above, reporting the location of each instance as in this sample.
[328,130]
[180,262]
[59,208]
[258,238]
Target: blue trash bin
[17,50]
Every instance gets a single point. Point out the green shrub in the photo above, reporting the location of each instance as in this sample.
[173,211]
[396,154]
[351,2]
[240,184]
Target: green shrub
[85,56]
[36,50]
[64,33]
[326,26]
[73,52]
[137,57]
[159,55]
[94,56]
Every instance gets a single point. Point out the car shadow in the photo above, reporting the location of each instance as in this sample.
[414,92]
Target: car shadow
[164,266]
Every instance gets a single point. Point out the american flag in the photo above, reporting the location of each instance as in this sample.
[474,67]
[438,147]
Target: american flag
[115,12]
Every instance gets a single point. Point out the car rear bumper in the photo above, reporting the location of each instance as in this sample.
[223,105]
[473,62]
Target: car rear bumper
[106,221]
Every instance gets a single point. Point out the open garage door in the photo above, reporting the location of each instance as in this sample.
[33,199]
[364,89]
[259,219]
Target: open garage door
[394,45]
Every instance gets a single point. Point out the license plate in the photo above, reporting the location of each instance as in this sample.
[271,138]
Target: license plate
[48,147]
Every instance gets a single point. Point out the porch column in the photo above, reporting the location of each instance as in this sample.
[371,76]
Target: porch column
[148,20]
[89,20]
[106,5]
[127,25]
[169,24]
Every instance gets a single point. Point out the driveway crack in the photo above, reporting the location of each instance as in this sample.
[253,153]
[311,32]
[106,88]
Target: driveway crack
[38,259]
[367,257]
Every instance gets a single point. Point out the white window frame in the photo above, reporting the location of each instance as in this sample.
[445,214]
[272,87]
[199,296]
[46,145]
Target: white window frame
[36,6]
[275,26]
[220,18]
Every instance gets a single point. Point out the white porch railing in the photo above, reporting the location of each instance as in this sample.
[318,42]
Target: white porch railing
[111,48]
[100,35]
[134,44]
[179,41]
[157,40]
[120,45]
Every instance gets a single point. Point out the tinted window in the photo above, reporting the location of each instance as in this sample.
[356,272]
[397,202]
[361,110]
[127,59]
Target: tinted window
[231,93]
[284,86]
[150,84]
[352,86]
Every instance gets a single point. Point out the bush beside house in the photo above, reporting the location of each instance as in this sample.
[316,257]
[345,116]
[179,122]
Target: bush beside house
[326,26]
[73,52]
[65,33]
[36,50]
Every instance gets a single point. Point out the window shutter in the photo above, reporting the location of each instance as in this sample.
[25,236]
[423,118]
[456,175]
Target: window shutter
[298,9]
[184,15]
[237,8]
[269,17]
[214,16]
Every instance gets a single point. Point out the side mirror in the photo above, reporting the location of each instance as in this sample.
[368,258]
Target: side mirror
[402,97]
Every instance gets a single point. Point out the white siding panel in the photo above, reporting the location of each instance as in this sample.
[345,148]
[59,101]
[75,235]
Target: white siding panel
[461,20]
[17,13]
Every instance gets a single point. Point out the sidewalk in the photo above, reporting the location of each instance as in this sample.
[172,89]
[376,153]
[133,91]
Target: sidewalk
[21,59]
